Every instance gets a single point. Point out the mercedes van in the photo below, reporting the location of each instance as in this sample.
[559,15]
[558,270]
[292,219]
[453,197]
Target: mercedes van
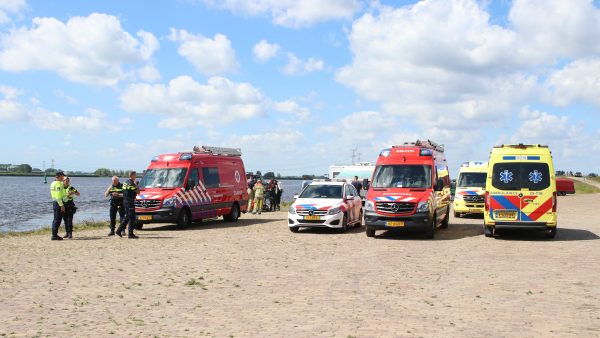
[470,194]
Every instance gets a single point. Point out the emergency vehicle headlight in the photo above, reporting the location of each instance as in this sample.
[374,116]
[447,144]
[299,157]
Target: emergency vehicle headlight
[185,157]
[426,152]
[169,202]
[458,197]
[292,210]
[385,153]
[369,206]
[423,206]
[334,211]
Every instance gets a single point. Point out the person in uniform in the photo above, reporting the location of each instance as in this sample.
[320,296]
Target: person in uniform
[259,194]
[115,192]
[57,192]
[130,190]
[251,183]
[70,207]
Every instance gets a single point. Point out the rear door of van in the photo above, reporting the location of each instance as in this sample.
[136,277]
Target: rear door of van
[528,196]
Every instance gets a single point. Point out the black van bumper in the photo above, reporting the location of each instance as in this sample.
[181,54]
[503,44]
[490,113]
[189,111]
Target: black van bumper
[417,221]
[164,215]
[522,225]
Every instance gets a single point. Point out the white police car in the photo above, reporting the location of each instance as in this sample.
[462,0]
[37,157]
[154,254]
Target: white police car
[326,204]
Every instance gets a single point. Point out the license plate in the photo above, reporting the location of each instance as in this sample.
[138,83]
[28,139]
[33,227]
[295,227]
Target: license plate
[395,223]
[145,217]
[474,210]
[506,215]
[312,218]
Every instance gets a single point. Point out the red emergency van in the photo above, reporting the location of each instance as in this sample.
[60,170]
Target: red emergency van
[190,186]
[410,189]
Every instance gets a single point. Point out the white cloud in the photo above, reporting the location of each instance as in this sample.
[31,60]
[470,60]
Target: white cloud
[291,107]
[209,56]
[94,120]
[187,103]
[149,73]
[10,7]
[11,110]
[577,81]
[296,66]
[91,50]
[291,13]
[264,51]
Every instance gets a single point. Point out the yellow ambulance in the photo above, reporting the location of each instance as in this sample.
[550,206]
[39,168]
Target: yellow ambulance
[520,190]
[470,194]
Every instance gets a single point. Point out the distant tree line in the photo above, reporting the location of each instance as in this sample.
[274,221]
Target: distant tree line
[105,172]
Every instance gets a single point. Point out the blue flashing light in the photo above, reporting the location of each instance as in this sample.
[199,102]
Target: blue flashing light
[185,157]
[426,152]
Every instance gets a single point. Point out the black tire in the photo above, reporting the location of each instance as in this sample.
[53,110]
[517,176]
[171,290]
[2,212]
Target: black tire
[430,231]
[345,222]
[294,229]
[550,232]
[488,231]
[446,220]
[457,214]
[185,219]
[370,232]
[139,226]
[234,214]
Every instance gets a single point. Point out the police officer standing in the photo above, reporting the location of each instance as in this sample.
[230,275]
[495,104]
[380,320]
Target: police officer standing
[70,207]
[115,192]
[130,190]
[57,192]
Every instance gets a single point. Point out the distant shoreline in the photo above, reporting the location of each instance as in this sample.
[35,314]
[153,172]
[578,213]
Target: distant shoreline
[92,175]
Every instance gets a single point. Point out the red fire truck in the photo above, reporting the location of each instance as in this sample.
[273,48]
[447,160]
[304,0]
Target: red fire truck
[190,186]
[410,189]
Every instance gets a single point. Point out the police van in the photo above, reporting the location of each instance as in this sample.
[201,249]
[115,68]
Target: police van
[520,190]
[410,189]
[469,197]
[207,182]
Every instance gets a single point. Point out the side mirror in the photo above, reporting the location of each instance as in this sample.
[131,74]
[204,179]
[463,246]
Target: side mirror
[365,184]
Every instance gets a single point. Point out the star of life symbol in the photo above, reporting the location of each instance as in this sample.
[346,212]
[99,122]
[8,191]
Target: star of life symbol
[506,176]
[535,176]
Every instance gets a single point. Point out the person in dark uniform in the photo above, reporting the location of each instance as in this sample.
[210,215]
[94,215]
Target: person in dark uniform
[130,190]
[356,183]
[115,192]
[57,192]
[70,207]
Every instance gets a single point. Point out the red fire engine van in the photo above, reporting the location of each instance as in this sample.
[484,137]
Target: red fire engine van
[410,189]
[189,186]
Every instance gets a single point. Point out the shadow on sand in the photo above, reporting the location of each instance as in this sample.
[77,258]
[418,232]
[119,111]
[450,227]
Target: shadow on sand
[208,224]
[562,235]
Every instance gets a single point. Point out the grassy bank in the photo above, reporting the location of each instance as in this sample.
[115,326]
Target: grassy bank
[584,188]
[85,225]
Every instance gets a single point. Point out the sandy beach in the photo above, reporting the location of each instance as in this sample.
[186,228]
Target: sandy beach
[255,278]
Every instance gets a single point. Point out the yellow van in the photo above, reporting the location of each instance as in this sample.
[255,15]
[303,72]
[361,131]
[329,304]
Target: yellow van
[470,194]
[520,190]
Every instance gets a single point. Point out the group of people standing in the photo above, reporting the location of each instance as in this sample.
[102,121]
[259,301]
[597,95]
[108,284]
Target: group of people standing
[122,201]
[258,192]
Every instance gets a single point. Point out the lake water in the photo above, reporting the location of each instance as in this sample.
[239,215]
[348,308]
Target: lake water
[27,204]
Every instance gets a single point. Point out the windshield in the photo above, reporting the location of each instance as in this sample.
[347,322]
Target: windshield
[402,176]
[163,178]
[472,180]
[322,191]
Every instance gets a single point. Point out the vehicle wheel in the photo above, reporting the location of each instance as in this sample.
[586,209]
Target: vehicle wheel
[139,226]
[370,232]
[294,229]
[430,231]
[234,214]
[488,231]
[456,214]
[550,233]
[185,220]
[345,222]
[446,219]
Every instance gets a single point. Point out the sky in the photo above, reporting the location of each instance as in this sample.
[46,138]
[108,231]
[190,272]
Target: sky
[298,85]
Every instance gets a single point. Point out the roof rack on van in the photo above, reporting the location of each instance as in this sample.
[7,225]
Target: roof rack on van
[218,150]
[426,144]
[521,146]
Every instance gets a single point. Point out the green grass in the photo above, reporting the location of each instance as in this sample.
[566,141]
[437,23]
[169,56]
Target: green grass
[81,226]
[584,188]
[596,179]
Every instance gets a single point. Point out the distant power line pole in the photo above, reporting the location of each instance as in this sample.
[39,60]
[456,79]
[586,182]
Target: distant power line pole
[353,155]
[52,164]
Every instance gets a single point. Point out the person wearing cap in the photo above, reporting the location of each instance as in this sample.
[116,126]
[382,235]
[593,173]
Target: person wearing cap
[115,192]
[57,192]
[70,207]
[130,190]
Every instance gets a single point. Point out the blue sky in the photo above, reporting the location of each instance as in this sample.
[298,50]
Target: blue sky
[296,84]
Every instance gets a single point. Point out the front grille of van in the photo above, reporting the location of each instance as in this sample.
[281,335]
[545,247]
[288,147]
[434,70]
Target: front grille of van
[395,207]
[305,212]
[147,204]
[474,198]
